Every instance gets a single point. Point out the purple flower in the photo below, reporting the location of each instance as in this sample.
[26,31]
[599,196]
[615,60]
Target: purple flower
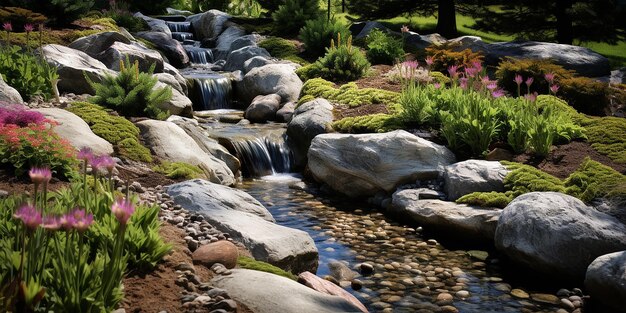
[66,222]
[430,60]
[106,162]
[485,80]
[554,89]
[492,86]
[52,222]
[437,85]
[529,81]
[471,71]
[531,96]
[29,28]
[410,64]
[85,154]
[96,163]
[122,209]
[477,65]
[7,26]
[40,175]
[29,216]
[518,79]
[452,70]
[463,83]
[497,93]
[549,77]
[19,115]
[80,220]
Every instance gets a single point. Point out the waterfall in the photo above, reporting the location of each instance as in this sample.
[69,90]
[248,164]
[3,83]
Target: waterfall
[211,91]
[199,55]
[178,27]
[263,156]
[182,36]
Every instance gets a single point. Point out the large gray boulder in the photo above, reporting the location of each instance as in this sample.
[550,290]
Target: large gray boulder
[155,24]
[263,108]
[365,164]
[280,79]
[169,69]
[72,66]
[171,48]
[178,104]
[208,24]
[268,293]
[362,29]
[606,281]
[170,142]
[420,42]
[202,196]
[290,249]
[308,120]
[98,43]
[171,81]
[473,175]
[227,38]
[244,41]
[257,61]
[237,58]
[9,94]
[446,217]
[285,113]
[133,52]
[76,131]
[557,234]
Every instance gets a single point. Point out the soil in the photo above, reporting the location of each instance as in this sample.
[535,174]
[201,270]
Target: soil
[565,159]
[343,111]
[16,185]
[145,176]
[376,79]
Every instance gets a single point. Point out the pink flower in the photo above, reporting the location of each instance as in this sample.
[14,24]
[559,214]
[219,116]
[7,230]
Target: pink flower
[29,28]
[430,60]
[80,220]
[122,209]
[437,85]
[52,222]
[106,162]
[554,89]
[477,65]
[529,81]
[485,80]
[85,154]
[66,222]
[39,175]
[518,79]
[549,77]
[471,71]
[404,29]
[29,216]
[497,93]
[463,83]
[531,96]
[492,85]
[7,26]
[452,70]
[410,64]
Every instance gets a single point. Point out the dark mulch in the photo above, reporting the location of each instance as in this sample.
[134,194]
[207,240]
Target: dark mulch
[565,159]
[376,79]
[343,111]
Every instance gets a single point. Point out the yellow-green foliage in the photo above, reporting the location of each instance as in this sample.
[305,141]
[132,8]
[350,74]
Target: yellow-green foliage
[176,170]
[536,69]
[586,95]
[18,17]
[590,181]
[252,264]
[444,57]
[115,129]
[65,36]
[349,93]
[379,123]
[439,77]
[283,49]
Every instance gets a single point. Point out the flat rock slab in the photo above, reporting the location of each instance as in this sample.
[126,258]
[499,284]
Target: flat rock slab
[268,293]
[317,283]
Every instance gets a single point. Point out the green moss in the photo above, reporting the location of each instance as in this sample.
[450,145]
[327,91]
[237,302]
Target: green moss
[492,199]
[115,129]
[176,170]
[368,123]
[594,180]
[283,49]
[607,135]
[349,94]
[252,264]
[440,77]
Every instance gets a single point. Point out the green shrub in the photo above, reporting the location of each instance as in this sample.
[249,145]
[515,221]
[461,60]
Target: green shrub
[18,17]
[418,103]
[293,14]
[317,34]
[348,94]
[586,95]
[594,180]
[117,130]
[379,123]
[29,74]
[252,264]
[282,48]
[177,170]
[59,12]
[444,57]
[537,69]
[382,48]
[341,63]
[131,93]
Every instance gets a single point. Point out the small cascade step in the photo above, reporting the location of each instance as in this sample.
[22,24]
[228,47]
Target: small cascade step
[179,27]
[262,156]
[199,55]
[211,91]
[182,36]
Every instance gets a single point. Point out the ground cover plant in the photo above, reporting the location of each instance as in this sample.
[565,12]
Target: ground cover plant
[67,251]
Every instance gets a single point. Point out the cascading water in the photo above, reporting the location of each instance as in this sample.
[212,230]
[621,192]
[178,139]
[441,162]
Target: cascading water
[182,36]
[199,55]
[211,91]
[179,27]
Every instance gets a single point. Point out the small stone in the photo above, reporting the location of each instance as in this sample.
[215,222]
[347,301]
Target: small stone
[568,305]
[545,298]
[448,309]
[216,292]
[224,252]
[365,268]
[563,293]
[356,284]
[519,293]
[463,294]
[431,242]
[227,305]
[444,299]
[185,267]
[203,300]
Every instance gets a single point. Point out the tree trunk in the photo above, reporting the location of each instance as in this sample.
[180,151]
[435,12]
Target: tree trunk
[564,28]
[343,6]
[328,10]
[446,21]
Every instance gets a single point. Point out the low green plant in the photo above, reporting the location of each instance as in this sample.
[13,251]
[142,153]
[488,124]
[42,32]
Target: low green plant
[382,48]
[29,74]
[282,48]
[594,180]
[349,94]
[418,103]
[292,15]
[317,34]
[178,170]
[117,130]
[131,93]
[379,123]
[342,62]
[252,264]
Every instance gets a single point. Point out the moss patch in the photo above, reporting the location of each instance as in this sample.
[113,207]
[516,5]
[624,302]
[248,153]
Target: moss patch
[590,181]
[379,123]
[283,49]
[178,170]
[349,94]
[115,129]
[252,264]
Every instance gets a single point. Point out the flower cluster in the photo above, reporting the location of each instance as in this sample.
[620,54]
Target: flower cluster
[20,116]
[474,77]
[96,162]
[554,88]
[409,71]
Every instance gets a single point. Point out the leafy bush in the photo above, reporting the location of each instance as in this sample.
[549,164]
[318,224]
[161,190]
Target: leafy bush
[18,17]
[29,74]
[443,57]
[348,94]
[36,144]
[131,93]
[59,12]
[317,34]
[176,170]
[291,16]
[586,95]
[252,264]
[529,68]
[382,48]
[117,130]
[341,63]
[282,48]
[378,123]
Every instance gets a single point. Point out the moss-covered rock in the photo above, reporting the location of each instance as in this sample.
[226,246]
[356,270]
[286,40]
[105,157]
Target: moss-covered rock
[117,130]
[379,123]
[349,94]
[283,49]
[252,264]
[595,180]
[179,170]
